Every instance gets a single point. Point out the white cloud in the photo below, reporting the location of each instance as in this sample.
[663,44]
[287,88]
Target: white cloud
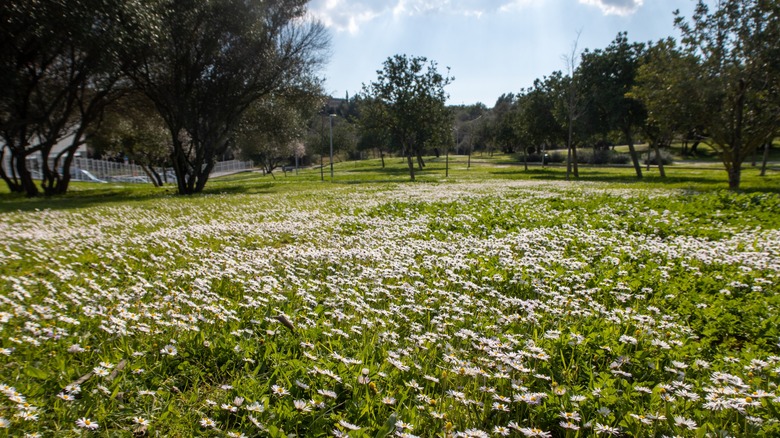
[615,7]
[513,5]
[351,15]
[346,15]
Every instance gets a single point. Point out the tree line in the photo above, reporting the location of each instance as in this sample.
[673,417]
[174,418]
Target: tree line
[719,84]
[173,79]
[188,82]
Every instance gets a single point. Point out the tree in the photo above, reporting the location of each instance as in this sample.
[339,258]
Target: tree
[537,124]
[503,123]
[273,128]
[607,76]
[55,83]
[408,101]
[372,134]
[670,90]
[738,44]
[131,128]
[211,61]
[573,107]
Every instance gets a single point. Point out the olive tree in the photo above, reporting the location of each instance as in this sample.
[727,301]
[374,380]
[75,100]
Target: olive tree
[408,101]
[211,61]
[59,68]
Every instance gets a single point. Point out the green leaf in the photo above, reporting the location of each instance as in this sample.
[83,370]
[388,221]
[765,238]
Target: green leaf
[388,428]
[36,373]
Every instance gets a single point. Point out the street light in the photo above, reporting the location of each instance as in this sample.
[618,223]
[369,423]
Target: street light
[331,116]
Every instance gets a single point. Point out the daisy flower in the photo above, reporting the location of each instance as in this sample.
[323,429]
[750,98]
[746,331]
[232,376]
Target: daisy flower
[279,391]
[86,423]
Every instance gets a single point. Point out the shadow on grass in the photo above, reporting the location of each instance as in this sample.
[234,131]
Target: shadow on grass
[83,197]
[710,179]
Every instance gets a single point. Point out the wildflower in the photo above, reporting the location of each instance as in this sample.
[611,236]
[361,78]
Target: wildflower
[279,391]
[570,416]
[76,348]
[601,429]
[388,400]
[207,422]
[86,423]
[236,435]
[327,393]
[141,421]
[534,432]
[255,407]
[349,426]
[501,430]
[569,425]
[27,416]
[72,389]
[4,423]
[302,405]
[403,426]
[169,350]
[66,397]
[500,407]
[685,423]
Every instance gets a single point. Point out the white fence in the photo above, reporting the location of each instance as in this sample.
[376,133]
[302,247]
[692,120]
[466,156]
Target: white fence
[86,169]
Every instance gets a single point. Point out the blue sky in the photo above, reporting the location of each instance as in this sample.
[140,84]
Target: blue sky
[491,46]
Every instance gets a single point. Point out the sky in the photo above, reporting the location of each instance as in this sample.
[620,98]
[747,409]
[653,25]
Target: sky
[491,47]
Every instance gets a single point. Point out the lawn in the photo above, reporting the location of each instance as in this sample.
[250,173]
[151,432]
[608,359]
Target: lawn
[496,302]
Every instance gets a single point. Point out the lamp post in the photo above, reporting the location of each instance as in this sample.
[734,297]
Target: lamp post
[331,116]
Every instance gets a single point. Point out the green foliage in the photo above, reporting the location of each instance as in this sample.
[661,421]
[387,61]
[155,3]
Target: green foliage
[737,75]
[407,103]
[212,61]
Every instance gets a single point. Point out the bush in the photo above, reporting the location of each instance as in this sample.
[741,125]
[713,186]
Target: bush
[552,157]
[601,156]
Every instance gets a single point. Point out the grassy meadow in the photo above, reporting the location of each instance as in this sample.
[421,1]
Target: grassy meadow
[495,302]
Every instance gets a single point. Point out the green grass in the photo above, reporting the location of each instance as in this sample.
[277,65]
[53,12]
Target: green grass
[495,298]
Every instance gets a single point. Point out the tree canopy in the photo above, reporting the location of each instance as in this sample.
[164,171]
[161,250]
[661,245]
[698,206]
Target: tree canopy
[408,101]
[212,61]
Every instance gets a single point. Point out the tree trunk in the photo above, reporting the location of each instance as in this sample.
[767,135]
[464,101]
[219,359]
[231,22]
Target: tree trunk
[410,163]
[13,185]
[660,162]
[420,161]
[575,164]
[735,174]
[382,157]
[25,177]
[157,176]
[149,175]
[203,176]
[525,158]
[767,146]
[735,169]
[632,152]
